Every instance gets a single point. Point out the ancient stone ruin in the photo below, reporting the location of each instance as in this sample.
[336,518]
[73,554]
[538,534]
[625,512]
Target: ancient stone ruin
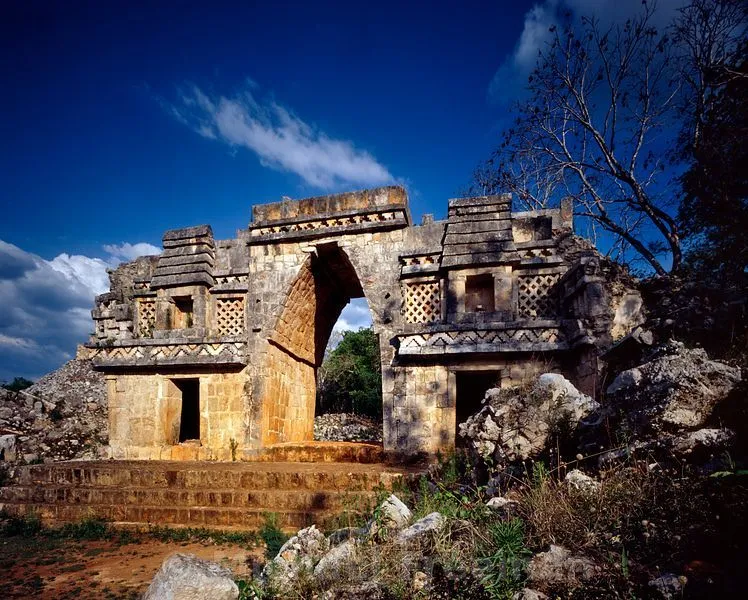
[211,349]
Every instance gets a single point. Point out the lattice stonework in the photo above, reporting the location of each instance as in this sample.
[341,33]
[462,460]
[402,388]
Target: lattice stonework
[537,296]
[230,316]
[146,317]
[422,302]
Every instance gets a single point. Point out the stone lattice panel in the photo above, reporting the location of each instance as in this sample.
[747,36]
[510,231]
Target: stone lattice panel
[537,297]
[230,316]
[422,302]
[146,317]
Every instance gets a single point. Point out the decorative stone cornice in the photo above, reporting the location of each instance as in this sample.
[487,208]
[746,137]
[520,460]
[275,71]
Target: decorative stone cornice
[530,338]
[152,353]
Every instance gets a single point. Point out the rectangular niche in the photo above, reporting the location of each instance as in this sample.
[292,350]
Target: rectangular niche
[479,293]
[182,315]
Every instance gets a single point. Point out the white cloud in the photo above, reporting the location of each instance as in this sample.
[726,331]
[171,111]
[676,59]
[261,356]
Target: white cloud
[83,272]
[45,304]
[280,139]
[127,251]
[354,316]
[510,78]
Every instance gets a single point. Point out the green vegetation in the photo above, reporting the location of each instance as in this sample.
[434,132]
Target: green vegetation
[349,379]
[18,384]
[272,535]
[94,528]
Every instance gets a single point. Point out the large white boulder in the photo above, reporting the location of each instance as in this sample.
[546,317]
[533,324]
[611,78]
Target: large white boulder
[516,423]
[187,577]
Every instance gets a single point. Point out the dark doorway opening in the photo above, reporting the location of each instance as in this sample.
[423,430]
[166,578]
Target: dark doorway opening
[189,424]
[471,388]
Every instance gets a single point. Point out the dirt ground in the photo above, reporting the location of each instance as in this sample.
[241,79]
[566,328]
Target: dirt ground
[48,568]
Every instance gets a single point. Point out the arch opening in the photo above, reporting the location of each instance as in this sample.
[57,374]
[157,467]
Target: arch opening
[325,284]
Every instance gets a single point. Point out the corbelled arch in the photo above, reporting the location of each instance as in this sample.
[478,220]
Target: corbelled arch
[325,283]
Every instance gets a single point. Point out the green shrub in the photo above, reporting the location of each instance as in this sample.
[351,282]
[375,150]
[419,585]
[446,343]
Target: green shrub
[504,558]
[27,525]
[272,535]
[89,528]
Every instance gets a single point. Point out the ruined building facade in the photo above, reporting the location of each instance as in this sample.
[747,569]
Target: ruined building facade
[211,349]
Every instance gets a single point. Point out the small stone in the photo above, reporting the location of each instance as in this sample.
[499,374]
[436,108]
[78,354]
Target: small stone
[558,566]
[420,580]
[668,586]
[422,529]
[336,559]
[581,482]
[528,594]
[392,514]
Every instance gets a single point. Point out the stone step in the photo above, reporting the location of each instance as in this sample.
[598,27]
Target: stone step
[318,452]
[209,476]
[198,516]
[198,494]
[283,500]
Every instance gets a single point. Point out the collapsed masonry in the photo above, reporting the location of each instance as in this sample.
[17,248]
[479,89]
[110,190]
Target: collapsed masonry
[211,349]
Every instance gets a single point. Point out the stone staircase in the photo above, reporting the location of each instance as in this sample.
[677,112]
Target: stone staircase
[225,495]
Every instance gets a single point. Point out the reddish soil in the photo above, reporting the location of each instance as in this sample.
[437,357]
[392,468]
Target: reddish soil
[44,568]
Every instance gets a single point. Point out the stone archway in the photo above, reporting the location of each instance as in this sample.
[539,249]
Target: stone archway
[326,282]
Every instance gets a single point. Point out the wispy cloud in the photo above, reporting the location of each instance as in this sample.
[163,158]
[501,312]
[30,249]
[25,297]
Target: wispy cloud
[45,304]
[280,139]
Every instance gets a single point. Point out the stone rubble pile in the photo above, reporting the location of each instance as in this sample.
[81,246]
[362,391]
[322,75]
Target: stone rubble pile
[516,423]
[343,427]
[674,401]
[330,560]
[63,416]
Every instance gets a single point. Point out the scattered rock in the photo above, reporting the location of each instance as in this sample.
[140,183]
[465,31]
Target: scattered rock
[581,482]
[528,594]
[515,423]
[668,586]
[503,506]
[677,388]
[300,553]
[420,581]
[423,529]
[335,560]
[708,441]
[187,577]
[63,416]
[8,448]
[369,590]
[343,427]
[558,567]
[392,514]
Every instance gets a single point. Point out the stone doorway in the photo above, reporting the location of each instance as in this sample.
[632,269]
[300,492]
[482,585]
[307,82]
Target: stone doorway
[189,414]
[471,387]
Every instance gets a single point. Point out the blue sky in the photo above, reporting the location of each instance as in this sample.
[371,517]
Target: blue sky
[123,119]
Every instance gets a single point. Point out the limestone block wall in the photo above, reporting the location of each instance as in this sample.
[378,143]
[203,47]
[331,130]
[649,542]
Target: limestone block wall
[425,398]
[288,406]
[144,412]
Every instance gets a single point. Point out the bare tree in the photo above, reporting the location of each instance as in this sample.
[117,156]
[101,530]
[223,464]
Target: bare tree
[612,115]
[602,120]
[710,37]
